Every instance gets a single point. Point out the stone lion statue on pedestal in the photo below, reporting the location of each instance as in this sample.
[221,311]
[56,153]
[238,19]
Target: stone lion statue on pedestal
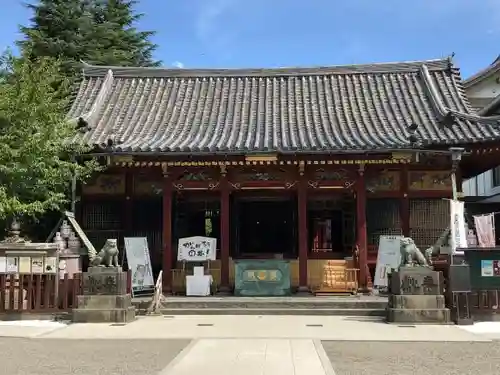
[411,254]
[108,256]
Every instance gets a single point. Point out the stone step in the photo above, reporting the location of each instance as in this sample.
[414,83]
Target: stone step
[103,315]
[422,316]
[273,311]
[283,305]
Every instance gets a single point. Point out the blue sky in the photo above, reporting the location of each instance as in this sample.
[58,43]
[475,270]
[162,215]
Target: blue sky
[270,33]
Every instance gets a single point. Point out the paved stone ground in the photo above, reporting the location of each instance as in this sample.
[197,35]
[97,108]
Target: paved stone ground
[410,358]
[151,357]
[87,357]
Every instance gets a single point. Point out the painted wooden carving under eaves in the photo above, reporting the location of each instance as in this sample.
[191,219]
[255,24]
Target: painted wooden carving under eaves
[255,177]
[196,178]
[147,184]
[330,178]
[429,180]
[105,184]
[383,181]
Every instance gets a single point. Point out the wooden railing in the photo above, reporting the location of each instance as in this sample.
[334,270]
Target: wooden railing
[40,293]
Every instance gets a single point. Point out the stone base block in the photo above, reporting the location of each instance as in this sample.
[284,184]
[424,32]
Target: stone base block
[415,316]
[416,280]
[104,302]
[104,281]
[113,315]
[423,302]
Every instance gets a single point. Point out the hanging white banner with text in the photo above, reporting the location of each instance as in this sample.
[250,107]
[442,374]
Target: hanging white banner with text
[458,238]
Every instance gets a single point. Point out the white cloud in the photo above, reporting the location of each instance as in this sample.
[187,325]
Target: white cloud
[216,25]
[178,64]
[210,11]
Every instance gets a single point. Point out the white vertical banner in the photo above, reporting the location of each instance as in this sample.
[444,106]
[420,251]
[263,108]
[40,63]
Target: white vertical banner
[458,238]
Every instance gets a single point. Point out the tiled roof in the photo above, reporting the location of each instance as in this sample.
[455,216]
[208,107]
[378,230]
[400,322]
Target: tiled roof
[328,109]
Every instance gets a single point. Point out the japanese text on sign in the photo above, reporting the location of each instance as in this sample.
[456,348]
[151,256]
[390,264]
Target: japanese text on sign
[196,249]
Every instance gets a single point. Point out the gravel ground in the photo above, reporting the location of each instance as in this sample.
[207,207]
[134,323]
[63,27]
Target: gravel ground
[410,358]
[87,357]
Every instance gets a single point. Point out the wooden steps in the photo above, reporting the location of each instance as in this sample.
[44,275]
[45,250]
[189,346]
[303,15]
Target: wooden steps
[340,277]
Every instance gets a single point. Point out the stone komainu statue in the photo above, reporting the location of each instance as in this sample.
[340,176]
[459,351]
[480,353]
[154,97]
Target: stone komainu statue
[108,256]
[411,254]
[443,240]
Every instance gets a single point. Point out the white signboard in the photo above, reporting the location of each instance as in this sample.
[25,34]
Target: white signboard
[388,258]
[196,249]
[458,238]
[139,262]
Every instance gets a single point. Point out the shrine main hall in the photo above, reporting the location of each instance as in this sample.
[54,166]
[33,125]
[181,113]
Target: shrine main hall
[308,165]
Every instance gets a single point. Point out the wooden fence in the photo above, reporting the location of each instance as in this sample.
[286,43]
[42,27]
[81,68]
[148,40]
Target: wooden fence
[40,293]
[483,305]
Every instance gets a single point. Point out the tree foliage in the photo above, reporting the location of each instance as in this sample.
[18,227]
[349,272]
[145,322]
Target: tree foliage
[100,32]
[36,158]
[120,43]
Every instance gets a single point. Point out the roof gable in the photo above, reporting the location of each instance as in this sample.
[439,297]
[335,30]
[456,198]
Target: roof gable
[483,74]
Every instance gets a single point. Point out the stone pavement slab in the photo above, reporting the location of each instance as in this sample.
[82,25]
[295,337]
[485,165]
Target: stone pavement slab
[28,328]
[87,357]
[284,327]
[410,358]
[250,357]
[490,330]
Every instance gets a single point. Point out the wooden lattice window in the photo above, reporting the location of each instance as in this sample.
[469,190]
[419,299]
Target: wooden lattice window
[102,215]
[101,220]
[428,219]
[382,219]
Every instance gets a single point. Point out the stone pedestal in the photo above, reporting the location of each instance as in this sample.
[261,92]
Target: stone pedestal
[105,298]
[416,296]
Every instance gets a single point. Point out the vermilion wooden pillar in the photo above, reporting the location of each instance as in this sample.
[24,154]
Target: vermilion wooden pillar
[167,234]
[361,228]
[404,203]
[225,233]
[302,223]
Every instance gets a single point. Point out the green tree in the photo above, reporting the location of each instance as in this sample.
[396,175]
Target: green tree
[37,158]
[59,29]
[119,42]
[96,31]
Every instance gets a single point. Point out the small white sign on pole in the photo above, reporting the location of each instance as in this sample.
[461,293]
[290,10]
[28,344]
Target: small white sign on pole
[388,258]
[196,249]
[139,262]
